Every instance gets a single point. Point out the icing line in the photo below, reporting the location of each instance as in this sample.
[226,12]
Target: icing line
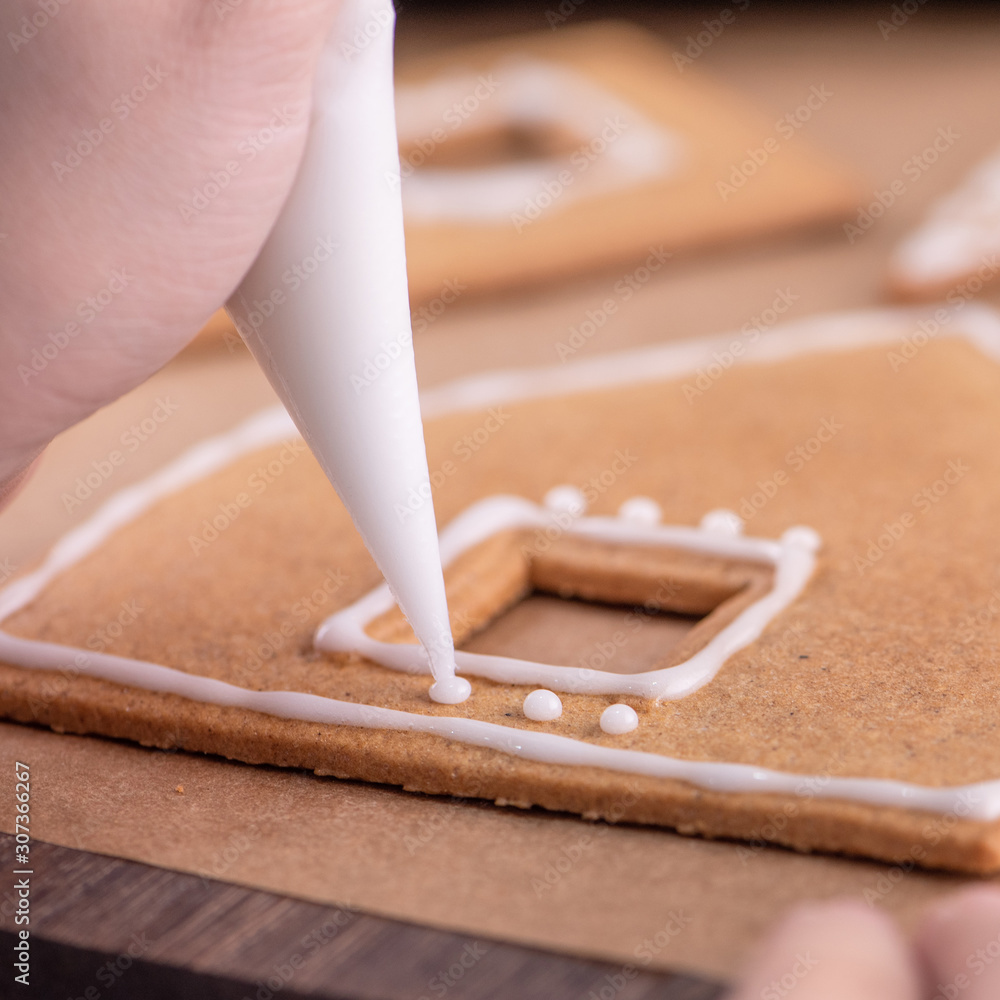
[793,559]
[844,331]
[960,232]
[980,800]
[529,92]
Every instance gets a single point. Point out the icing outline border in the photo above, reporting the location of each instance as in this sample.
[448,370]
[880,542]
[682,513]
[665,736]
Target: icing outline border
[792,559]
[842,331]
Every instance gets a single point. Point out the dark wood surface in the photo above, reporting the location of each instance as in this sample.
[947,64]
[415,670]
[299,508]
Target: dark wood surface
[125,930]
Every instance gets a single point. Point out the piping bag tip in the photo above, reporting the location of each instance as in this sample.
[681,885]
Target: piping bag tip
[450,690]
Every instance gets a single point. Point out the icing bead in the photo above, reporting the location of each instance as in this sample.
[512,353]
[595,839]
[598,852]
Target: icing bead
[618,719]
[641,510]
[542,706]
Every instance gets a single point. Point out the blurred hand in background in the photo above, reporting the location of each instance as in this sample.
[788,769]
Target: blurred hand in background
[846,950]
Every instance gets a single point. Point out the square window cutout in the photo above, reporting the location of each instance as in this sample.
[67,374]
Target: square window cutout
[544,595]
[618,638]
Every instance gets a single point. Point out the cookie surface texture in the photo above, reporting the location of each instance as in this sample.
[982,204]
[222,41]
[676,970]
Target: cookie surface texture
[883,670]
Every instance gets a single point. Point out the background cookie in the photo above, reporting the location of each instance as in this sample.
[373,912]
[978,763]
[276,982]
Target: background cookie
[953,251]
[623,149]
[537,157]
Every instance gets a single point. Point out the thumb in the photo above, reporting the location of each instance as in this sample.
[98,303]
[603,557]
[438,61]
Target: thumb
[831,951]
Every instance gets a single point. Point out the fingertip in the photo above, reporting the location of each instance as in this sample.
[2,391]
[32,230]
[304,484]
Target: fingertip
[949,925]
[831,950]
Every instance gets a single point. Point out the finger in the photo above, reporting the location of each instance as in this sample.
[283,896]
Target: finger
[147,149]
[832,951]
[12,485]
[959,941]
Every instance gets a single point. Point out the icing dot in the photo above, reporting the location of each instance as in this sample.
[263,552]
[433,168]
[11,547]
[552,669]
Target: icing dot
[641,510]
[804,537]
[566,499]
[722,522]
[542,706]
[450,690]
[618,719]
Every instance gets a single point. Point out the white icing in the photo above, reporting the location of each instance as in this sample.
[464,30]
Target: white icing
[847,331]
[793,558]
[316,335]
[565,499]
[641,510]
[542,706]
[619,719]
[722,522]
[977,801]
[831,333]
[618,145]
[960,234]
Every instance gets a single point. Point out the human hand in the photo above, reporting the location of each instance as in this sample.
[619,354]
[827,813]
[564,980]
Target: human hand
[147,149]
[847,951]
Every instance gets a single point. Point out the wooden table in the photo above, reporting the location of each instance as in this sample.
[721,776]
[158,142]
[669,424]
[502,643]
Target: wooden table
[129,930]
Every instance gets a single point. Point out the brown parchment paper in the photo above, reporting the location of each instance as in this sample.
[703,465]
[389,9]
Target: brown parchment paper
[547,880]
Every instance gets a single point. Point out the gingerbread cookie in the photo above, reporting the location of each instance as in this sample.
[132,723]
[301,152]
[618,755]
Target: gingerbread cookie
[954,252]
[532,158]
[773,567]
